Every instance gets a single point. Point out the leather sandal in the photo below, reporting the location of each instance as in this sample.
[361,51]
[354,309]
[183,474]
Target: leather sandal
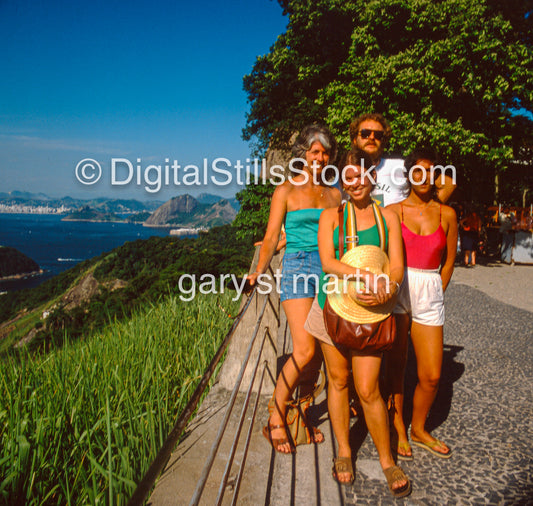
[343,465]
[276,443]
[430,447]
[394,474]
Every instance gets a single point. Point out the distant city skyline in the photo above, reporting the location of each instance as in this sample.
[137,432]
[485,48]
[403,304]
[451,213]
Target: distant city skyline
[150,84]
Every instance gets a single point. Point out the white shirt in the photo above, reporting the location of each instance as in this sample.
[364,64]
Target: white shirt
[392,184]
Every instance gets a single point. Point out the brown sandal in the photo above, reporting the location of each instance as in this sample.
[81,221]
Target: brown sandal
[343,465]
[267,433]
[394,474]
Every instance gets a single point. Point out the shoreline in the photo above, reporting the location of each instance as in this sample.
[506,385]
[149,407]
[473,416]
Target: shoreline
[86,220]
[22,275]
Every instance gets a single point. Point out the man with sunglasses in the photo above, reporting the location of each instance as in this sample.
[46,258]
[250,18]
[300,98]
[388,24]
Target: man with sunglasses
[371,133]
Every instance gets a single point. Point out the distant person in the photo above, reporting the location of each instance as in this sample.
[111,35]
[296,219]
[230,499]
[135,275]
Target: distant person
[299,205]
[506,219]
[371,133]
[429,231]
[470,234]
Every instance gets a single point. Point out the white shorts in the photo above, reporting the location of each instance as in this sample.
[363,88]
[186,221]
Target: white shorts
[422,297]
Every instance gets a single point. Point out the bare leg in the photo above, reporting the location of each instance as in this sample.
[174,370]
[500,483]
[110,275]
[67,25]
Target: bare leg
[395,362]
[366,377]
[303,346]
[338,401]
[427,342]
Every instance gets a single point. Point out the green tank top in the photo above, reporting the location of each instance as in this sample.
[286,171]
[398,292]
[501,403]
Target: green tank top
[369,236]
[301,228]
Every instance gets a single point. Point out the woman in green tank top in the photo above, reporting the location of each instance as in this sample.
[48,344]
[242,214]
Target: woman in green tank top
[358,185]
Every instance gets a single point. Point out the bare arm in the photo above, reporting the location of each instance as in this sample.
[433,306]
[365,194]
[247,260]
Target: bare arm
[445,187]
[396,260]
[451,246]
[278,209]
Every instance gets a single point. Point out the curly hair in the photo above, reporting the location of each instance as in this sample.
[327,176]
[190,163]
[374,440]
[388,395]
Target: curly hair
[374,116]
[312,133]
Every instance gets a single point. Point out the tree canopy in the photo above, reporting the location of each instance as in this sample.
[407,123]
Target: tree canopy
[455,74]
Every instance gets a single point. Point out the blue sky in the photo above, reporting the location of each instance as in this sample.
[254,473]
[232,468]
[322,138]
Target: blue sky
[136,80]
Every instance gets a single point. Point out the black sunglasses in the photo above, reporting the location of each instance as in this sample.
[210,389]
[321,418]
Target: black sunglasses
[365,133]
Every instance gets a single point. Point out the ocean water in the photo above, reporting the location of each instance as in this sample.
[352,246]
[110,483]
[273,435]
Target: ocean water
[59,245]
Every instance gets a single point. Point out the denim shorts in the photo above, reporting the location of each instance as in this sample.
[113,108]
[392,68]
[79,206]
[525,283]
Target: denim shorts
[300,274]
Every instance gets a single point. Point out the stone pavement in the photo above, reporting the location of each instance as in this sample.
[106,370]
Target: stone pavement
[484,412]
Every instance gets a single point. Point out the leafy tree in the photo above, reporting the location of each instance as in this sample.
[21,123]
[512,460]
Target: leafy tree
[447,73]
[252,217]
[283,85]
[452,73]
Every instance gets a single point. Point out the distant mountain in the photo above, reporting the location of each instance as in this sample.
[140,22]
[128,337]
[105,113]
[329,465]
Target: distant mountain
[28,195]
[209,198]
[220,213]
[185,208]
[186,211]
[102,204]
[234,203]
[87,213]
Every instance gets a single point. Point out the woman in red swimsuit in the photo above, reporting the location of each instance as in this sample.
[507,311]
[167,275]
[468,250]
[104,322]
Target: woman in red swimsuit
[429,231]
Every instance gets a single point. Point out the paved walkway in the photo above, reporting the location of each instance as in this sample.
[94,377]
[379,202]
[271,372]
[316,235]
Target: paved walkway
[484,412]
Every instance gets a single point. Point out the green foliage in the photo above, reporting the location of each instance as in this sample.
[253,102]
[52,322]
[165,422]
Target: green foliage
[283,85]
[82,424]
[252,218]
[31,298]
[451,73]
[138,217]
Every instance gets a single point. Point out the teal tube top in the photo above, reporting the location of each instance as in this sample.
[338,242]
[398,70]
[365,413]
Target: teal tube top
[301,228]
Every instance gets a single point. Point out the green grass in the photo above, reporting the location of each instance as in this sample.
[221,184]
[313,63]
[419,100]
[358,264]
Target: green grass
[81,424]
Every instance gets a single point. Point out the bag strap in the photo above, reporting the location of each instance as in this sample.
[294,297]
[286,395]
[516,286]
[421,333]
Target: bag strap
[381,227]
[320,384]
[352,239]
[341,230]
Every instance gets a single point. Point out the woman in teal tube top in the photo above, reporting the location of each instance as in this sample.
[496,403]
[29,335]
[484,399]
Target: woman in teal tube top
[298,203]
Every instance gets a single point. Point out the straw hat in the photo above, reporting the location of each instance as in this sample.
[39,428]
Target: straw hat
[344,299]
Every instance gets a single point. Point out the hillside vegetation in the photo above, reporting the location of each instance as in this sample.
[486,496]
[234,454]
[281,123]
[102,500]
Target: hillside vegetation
[114,284]
[13,262]
[107,355]
[82,424]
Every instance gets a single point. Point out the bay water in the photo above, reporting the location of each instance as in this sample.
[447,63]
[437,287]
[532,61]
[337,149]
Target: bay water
[59,245]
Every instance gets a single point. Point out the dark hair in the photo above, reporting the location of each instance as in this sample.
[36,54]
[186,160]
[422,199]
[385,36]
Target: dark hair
[308,135]
[358,158]
[421,153]
[374,116]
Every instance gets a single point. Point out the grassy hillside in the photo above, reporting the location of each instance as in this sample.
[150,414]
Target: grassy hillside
[111,286]
[81,424]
